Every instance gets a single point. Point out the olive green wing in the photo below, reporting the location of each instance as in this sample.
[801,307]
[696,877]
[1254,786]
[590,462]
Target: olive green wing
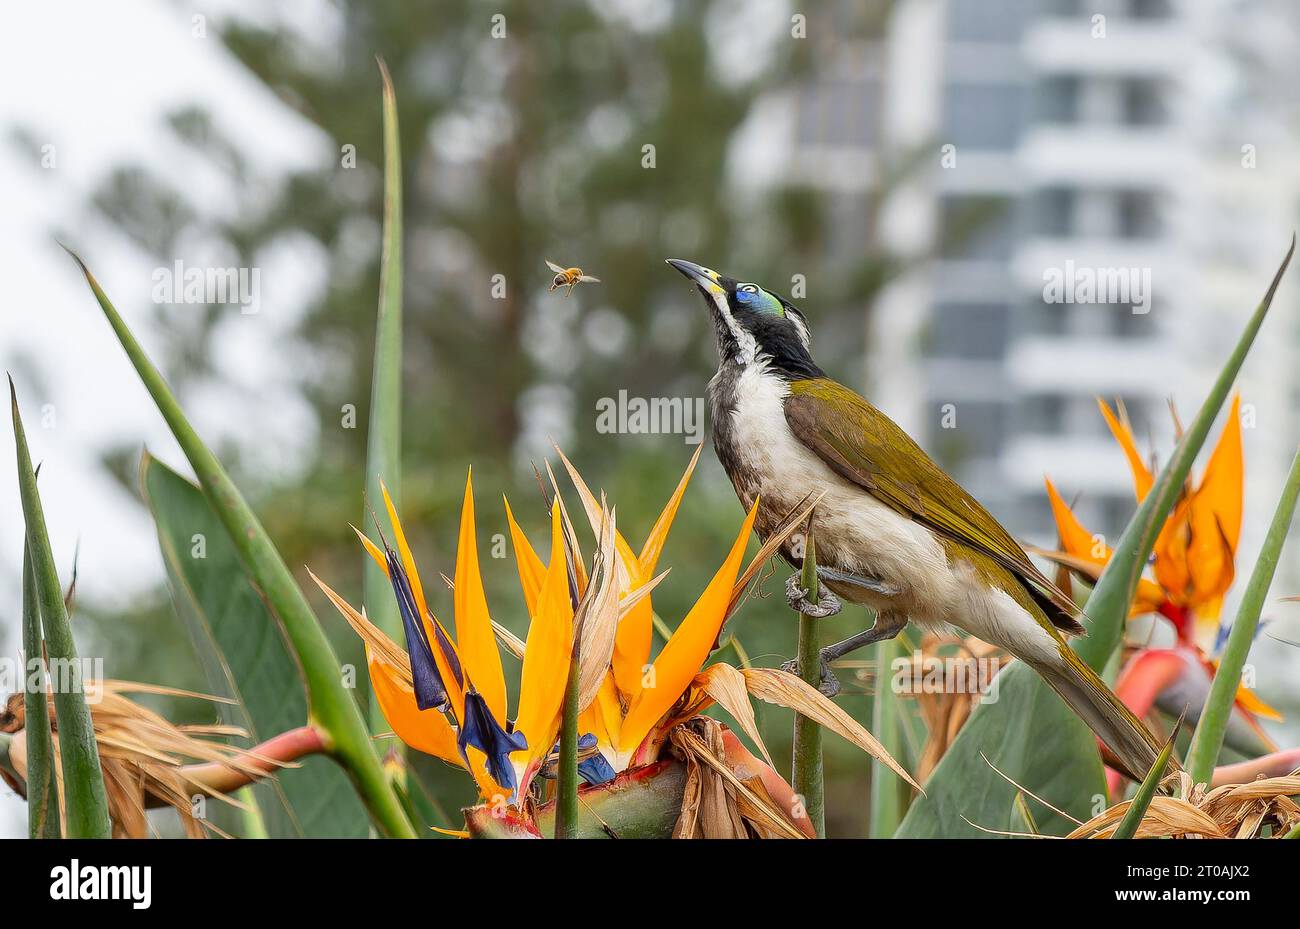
[865,446]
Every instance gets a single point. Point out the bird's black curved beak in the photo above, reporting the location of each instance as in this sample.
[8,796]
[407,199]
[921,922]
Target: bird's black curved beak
[707,280]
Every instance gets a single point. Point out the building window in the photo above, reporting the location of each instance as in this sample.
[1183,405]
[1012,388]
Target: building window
[1053,211]
[1138,214]
[1149,9]
[977,431]
[1056,99]
[1143,103]
[984,116]
[987,20]
[970,331]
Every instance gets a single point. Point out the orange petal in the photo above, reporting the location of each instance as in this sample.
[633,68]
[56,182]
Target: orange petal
[1075,539]
[1149,597]
[636,631]
[547,654]
[654,543]
[475,639]
[1171,567]
[375,551]
[531,569]
[604,717]
[685,653]
[424,730]
[632,644]
[1250,702]
[1222,484]
[1142,477]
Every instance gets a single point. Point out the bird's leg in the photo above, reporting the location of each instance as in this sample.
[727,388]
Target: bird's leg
[873,584]
[888,624]
[829,604]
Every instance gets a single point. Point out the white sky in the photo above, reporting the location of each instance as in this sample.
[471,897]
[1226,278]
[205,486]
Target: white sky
[96,82]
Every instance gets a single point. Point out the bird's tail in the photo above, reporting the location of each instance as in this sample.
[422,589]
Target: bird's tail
[1132,743]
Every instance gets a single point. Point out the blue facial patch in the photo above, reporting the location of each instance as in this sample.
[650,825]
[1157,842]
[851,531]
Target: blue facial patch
[759,300]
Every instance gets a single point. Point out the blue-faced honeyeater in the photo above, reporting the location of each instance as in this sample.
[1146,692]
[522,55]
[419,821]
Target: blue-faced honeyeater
[893,530]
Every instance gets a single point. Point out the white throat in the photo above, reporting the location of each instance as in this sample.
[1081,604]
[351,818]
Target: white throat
[746,344]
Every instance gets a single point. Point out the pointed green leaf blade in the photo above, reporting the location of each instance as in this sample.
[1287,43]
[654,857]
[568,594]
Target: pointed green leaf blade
[42,801]
[83,781]
[1128,826]
[384,431]
[333,708]
[1207,741]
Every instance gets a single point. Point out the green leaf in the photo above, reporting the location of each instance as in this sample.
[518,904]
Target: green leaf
[83,782]
[1128,826]
[888,790]
[42,800]
[333,708]
[384,433]
[1108,604]
[1023,819]
[1207,741]
[244,656]
[807,775]
[1030,735]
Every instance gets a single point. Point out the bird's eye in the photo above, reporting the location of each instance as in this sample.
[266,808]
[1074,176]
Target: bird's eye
[748,288]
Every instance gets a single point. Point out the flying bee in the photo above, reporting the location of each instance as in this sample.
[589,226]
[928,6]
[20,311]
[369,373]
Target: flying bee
[568,277]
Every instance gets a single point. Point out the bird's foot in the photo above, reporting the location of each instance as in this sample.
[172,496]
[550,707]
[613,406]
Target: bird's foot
[873,584]
[797,597]
[828,683]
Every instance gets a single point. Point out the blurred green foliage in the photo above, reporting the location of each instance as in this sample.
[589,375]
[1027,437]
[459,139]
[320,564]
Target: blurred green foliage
[517,149]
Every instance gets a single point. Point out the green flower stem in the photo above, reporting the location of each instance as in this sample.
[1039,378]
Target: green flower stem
[566,797]
[807,778]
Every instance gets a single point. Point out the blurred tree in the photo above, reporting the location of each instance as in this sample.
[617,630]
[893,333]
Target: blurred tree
[595,134]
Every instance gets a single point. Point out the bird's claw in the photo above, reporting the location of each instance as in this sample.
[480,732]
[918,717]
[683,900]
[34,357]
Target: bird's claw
[828,684]
[797,597]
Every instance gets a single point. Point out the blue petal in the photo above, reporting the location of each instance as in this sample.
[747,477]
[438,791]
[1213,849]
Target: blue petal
[595,769]
[430,692]
[480,729]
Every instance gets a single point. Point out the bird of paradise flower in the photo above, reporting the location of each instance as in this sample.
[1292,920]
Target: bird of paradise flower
[1192,569]
[445,694]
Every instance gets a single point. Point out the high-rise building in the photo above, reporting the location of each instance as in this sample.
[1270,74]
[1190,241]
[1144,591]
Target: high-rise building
[1023,143]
